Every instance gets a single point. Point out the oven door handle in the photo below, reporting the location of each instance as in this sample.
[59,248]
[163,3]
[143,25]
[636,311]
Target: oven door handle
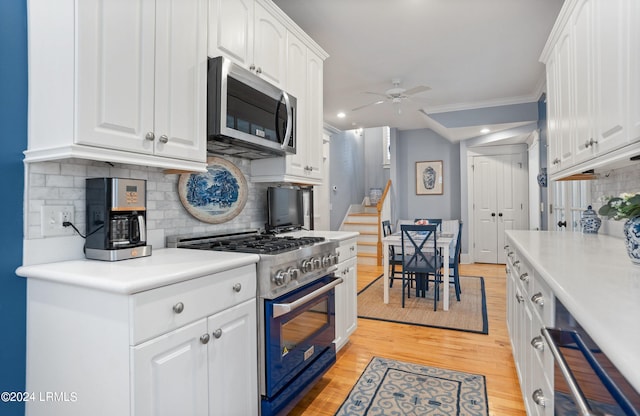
[280,309]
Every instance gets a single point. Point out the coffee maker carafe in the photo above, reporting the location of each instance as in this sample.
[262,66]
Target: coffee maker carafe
[116,219]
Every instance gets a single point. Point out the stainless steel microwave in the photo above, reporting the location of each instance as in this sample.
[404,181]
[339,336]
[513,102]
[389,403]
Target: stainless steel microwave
[247,116]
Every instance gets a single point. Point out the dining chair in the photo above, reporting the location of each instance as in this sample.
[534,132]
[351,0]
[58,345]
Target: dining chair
[394,259]
[420,259]
[454,263]
[437,221]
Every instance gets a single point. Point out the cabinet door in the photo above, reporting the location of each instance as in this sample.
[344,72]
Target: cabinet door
[611,64]
[582,29]
[115,74]
[231,30]
[634,70]
[313,139]
[170,373]
[297,86]
[564,102]
[269,47]
[181,83]
[233,364]
[553,116]
[351,296]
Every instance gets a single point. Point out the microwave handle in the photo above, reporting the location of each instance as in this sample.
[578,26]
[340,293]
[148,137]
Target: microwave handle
[576,392]
[289,129]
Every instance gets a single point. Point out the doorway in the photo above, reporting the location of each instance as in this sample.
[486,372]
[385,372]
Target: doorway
[499,202]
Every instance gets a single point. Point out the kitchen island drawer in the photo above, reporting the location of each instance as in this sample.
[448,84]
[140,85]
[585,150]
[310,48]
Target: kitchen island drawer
[164,309]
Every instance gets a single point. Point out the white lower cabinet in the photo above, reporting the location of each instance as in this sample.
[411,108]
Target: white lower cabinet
[208,367]
[187,348]
[347,292]
[530,307]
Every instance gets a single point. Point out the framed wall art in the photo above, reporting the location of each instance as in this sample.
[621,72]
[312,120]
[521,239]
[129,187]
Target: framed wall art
[429,178]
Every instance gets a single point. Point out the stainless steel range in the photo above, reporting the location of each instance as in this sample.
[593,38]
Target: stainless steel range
[296,309]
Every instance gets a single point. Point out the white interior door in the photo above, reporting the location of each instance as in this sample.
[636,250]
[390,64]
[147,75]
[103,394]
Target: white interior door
[500,194]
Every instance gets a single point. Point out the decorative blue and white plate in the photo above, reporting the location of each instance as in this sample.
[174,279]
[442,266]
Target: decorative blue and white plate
[216,196]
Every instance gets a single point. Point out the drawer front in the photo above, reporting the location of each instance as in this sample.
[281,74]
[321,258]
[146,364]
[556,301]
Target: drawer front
[347,250]
[545,308]
[164,309]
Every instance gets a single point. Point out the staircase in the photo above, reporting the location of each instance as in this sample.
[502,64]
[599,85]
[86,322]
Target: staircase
[366,223]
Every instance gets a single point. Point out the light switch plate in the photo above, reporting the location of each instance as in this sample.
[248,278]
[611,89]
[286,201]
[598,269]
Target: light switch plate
[52,218]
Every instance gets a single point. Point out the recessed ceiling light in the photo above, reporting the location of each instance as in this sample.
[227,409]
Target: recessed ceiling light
[485,130]
[341,115]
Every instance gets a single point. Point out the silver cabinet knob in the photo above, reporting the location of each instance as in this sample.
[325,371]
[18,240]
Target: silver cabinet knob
[538,343]
[178,307]
[538,397]
[538,299]
[519,297]
[150,136]
[217,333]
[524,277]
[205,339]
[237,287]
[258,70]
[164,138]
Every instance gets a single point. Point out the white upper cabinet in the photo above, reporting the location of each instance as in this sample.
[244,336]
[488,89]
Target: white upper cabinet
[592,69]
[128,84]
[304,81]
[245,32]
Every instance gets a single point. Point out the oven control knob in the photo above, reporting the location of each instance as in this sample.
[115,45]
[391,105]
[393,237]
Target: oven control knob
[306,266]
[326,261]
[293,273]
[336,258]
[317,263]
[281,278]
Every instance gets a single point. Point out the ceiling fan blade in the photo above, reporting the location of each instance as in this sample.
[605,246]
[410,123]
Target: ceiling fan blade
[375,93]
[416,90]
[368,105]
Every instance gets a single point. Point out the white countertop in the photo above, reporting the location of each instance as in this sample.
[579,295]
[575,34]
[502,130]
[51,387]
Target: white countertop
[329,235]
[163,267]
[594,278]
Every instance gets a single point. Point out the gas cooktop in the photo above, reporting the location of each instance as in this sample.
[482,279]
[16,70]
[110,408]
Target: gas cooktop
[260,244]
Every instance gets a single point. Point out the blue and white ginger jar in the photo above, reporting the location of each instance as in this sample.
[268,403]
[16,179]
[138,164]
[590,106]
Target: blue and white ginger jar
[632,238]
[589,221]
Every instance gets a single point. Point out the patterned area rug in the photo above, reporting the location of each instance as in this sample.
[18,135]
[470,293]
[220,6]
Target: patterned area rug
[470,314]
[390,387]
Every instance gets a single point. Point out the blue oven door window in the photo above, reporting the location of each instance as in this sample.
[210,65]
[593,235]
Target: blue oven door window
[296,339]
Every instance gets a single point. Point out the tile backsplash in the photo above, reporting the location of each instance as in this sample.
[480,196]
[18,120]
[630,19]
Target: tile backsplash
[614,182]
[63,183]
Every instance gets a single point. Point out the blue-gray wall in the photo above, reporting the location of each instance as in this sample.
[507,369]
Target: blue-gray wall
[422,145]
[13,119]
[346,174]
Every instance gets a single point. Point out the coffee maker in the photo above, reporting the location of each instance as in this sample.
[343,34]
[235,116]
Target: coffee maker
[116,219]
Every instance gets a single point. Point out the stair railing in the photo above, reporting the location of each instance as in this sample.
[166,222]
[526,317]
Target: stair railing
[384,213]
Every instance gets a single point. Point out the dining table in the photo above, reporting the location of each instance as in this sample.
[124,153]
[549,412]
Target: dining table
[443,241]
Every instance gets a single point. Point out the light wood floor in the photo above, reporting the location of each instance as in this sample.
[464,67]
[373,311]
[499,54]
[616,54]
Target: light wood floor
[489,355]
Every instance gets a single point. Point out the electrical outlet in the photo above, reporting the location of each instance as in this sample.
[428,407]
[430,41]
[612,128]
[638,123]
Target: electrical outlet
[52,218]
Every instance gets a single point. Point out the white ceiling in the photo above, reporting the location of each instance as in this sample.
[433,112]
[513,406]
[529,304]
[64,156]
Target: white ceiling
[472,53]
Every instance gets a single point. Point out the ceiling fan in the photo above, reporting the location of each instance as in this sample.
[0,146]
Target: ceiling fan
[395,95]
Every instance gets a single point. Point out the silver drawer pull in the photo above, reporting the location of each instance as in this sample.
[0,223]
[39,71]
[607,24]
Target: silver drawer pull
[205,339]
[538,343]
[237,287]
[178,307]
[538,397]
[538,299]
[516,264]
[217,333]
[524,277]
